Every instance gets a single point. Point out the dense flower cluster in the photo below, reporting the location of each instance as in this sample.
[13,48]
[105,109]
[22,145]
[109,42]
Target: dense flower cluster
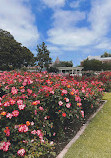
[104,77]
[4,146]
[21,152]
[35,108]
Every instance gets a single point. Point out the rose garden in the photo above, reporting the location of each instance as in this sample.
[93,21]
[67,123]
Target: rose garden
[36,110]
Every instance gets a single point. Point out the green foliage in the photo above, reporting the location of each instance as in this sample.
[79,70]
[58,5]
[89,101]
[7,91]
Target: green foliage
[96,65]
[93,64]
[53,69]
[43,150]
[106,66]
[43,59]
[106,55]
[12,54]
[64,64]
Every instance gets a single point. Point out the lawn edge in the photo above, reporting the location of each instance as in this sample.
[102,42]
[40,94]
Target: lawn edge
[80,132]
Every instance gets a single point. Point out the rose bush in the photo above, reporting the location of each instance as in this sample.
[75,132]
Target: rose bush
[35,109]
[104,77]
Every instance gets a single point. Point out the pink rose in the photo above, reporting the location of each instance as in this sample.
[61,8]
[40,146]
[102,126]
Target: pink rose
[25,141]
[22,90]
[60,103]
[82,113]
[19,102]
[12,102]
[6,104]
[21,152]
[79,104]
[24,83]
[9,115]
[33,132]
[4,146]
[29,91]
[21,107]
[32,123]
[64,91]
[15,113]
[38,132]
[67,100]
[68,105]
[41,108]
[23,128]
[52,92]
[30,81]
[77,98]
[14,90]
[35,112]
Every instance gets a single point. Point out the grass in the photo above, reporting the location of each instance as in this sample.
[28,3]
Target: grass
[95,142]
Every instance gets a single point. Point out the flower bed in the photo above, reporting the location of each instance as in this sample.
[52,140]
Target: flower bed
[36,108]
[104,77]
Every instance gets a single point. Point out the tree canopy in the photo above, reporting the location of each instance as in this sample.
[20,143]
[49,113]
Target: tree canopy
[64,64]
[43,59]
[106,55]
[93,64]
[96,65]
[12,54]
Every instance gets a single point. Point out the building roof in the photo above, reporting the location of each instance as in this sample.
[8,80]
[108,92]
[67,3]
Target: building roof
[57,61]
[70,68]
[94,57]
[99,58]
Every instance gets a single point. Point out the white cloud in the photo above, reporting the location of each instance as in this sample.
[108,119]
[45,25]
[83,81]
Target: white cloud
[55,51]
[66,33]
[100,16]
[65,19]
[104,44]
[18,19]
[50,47]
[73,39]
[54,3]
[76,4]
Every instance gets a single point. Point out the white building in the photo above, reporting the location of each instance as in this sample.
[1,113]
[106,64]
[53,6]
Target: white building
[103,59]
[71,70]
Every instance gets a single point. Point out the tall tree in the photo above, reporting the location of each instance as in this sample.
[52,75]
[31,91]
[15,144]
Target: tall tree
[43,59]
[13,54]
[106,55]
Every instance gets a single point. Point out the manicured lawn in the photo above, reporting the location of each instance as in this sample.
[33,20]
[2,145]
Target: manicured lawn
[96,140]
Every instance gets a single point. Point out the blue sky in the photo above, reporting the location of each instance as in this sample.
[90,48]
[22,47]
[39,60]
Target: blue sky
[71,29]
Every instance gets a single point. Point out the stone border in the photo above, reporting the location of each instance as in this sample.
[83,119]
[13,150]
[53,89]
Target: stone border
[80,132]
